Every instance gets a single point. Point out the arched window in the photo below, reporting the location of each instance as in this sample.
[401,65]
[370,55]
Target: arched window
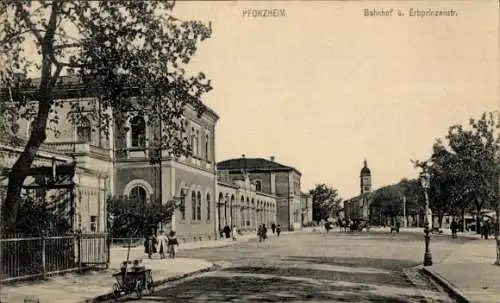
[198,206]
[208,206]
[139,194]
[193,205]
[242,211]
[248,212]
[83,130]
[138,132]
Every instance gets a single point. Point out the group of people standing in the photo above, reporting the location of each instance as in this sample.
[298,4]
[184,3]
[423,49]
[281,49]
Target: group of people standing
[161,244]
[485,228]
[228,232]
[262,231]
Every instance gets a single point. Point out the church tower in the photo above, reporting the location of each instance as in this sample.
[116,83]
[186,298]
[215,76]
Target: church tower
[366,179]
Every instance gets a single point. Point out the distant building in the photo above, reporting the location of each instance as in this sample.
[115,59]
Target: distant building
[242,203]
[271,178]
[358,208]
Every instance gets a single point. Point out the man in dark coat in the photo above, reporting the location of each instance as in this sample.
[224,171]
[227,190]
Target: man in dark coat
[227,231]
[453,227]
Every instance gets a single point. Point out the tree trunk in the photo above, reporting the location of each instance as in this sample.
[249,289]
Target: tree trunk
[478,217]
[478,224]
[440,220]
[463,219]
[497,232]
[38,135]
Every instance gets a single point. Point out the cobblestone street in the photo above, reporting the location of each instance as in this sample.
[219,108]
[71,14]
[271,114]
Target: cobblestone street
[335,267]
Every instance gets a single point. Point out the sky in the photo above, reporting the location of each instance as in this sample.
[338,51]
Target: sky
[325,87]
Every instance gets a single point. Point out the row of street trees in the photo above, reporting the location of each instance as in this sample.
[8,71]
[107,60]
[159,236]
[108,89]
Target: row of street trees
[465,171]
[393,201]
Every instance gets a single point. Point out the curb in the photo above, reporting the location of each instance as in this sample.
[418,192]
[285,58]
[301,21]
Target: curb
[110,296]
[449,288]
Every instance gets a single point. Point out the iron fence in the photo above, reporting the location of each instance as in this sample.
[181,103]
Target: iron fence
[23,257]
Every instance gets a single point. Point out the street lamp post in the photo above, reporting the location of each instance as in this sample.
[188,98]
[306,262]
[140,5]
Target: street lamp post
[425,180]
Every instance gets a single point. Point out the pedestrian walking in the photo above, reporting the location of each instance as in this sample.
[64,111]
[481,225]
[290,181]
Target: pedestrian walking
[227,231]
[172,244]
[162,244]
[278,230]
[328,226]
[486,229]
[273,227]
[453,227]
[235,233]
[264,232]
[150,244]
[259,233]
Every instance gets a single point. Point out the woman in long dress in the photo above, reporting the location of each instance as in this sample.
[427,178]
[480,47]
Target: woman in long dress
[162,243]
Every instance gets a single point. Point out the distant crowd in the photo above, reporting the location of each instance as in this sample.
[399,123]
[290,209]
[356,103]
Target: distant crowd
[261,231]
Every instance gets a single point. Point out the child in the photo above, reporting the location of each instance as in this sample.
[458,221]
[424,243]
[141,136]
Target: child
[172,242]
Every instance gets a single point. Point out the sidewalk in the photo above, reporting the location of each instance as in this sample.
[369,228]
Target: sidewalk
[469,272]
[420,230]
[83,288]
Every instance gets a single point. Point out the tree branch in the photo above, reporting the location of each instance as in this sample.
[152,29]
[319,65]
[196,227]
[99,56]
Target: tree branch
[67,45]
[52,25]
[25,17]
[13,35]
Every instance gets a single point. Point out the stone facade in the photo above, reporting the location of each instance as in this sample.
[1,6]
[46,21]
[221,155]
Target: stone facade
[192,180]
[307,208]
[240,204]
[273,179]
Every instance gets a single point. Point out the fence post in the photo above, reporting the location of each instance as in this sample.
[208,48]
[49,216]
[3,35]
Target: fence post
[109,241]
[44,255]
[79,254]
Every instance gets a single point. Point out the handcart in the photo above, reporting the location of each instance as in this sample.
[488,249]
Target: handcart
[136,278]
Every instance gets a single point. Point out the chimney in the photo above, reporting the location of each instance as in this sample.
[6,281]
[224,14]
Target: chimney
[272,158]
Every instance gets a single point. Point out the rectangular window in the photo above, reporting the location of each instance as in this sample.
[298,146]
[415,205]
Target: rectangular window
[183,209]
[258,185]
[93,224]
[83,133]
